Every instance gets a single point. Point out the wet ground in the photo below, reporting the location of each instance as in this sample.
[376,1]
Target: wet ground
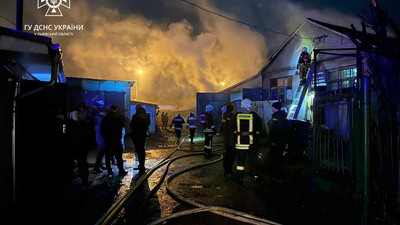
[286,200]
[280,200]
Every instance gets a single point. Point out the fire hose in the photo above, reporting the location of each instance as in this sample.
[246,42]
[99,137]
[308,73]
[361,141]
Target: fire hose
[221,211]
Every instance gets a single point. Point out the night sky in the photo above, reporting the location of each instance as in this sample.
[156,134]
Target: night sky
[180,48]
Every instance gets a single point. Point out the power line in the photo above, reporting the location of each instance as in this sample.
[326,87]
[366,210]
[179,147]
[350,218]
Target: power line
[235,20]
[8,20]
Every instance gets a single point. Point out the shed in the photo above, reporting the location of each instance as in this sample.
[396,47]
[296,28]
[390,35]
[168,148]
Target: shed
[151,109]
[95,94]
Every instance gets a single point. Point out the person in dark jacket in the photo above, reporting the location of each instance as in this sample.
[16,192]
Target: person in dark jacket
[78,141]
[303,64]
[178,123]
[111,130]
[228,129]
[98,166]
[279,130]
[165,121]
[139,127]
[209,130]
[192,123]
[162,120]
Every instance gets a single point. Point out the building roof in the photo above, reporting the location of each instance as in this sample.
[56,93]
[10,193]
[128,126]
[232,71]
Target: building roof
[273,57]
[144,103]
[25,35]
[99,79]
[31,52]
[345,32]
[339,30]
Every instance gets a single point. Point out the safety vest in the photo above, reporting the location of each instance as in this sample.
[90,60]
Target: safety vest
[192,122]
[244,131]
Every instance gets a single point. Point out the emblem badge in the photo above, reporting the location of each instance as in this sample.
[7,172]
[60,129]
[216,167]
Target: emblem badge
[54,6]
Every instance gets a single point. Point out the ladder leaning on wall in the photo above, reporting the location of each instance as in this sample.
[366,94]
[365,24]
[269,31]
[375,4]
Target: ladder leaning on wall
[301,95]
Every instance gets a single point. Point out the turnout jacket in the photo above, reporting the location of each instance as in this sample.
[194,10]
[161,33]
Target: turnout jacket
[192,121]
[228,129]
[178,123]
[209,123]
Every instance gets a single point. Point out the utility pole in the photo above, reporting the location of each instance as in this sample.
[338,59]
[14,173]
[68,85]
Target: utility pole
[20,14]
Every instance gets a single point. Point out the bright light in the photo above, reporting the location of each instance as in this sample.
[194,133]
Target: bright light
[42,76]
[140,71]
[223,83]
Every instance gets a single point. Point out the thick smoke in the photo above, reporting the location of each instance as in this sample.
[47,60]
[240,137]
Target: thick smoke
[193,52]
[175,63]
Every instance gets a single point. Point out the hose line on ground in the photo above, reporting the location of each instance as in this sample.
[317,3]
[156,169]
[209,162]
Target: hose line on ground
[226,212]
[116,208]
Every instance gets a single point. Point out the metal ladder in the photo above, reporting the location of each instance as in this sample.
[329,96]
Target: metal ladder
[300,95]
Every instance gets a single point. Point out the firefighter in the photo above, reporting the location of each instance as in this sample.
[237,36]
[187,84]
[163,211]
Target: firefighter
[178,123]
[303,64]
[228,128]
[248,127]
[207,122]
[191,124]
[279,133]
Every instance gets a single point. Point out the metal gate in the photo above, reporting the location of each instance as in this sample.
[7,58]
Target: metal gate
[333,139]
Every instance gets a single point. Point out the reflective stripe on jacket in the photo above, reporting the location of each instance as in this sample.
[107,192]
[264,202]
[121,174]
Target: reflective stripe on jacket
[178,122]
[192,121]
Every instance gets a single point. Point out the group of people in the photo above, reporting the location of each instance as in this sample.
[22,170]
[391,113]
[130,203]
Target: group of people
[109,129]
[164,120]
[242,138]
[178,122]
[240,131]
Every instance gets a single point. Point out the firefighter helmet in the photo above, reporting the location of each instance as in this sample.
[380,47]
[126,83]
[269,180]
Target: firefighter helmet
[247,104]
[209,108]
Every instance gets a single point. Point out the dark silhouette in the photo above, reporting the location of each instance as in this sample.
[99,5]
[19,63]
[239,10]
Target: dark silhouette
[209,130]
[78,141]
[192,123]
[303,64]
[228,129]
[111,130]
[139,128]
[279,132]
[178,123]
[98,167]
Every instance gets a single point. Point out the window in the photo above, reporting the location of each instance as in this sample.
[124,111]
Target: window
[341,79]
[280,88]
[289,89]
[274,88]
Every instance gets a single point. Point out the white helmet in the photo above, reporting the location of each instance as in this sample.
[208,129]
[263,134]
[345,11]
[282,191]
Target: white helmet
[209,108]
[247,104]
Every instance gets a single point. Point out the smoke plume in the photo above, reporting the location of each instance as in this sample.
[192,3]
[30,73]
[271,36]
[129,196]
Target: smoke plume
[175,63]
[193,52]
